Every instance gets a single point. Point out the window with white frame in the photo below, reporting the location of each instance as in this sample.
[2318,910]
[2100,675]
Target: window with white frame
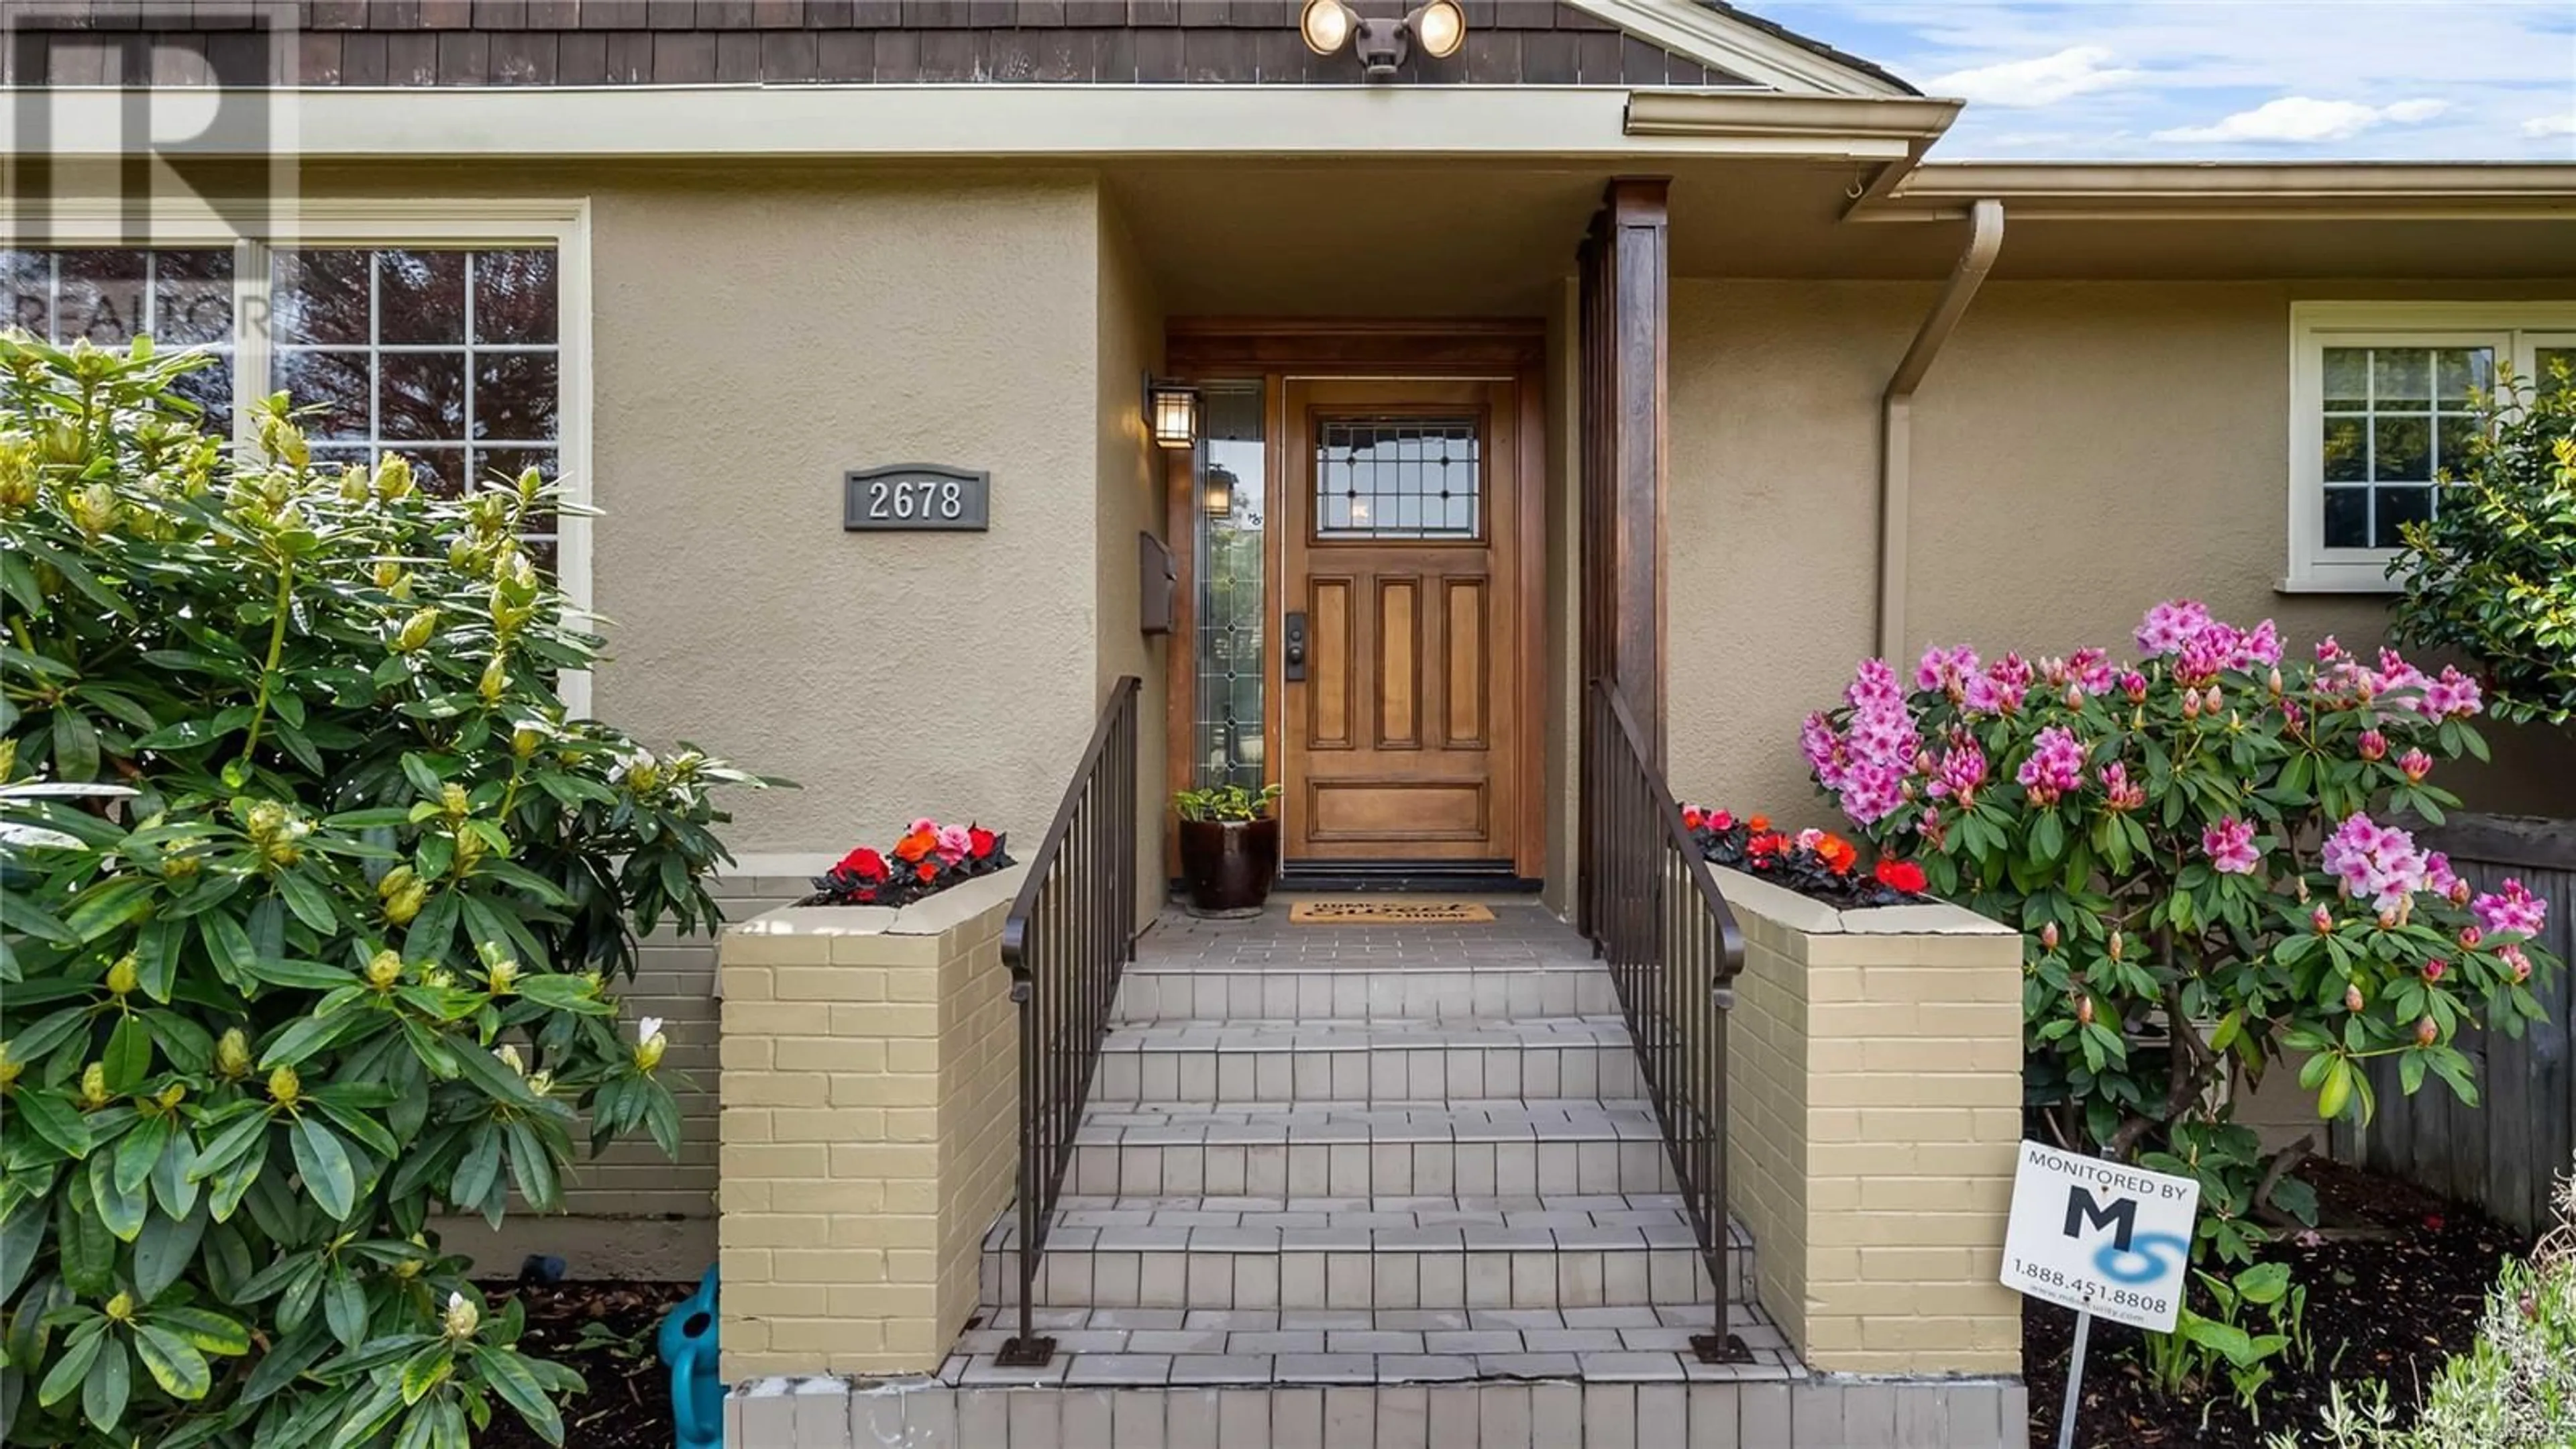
[2384,404]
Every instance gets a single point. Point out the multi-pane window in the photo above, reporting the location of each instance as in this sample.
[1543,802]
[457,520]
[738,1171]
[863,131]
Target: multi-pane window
[450,358]
[181,296]
[1233,504]
[2385,404]
[1398,477]
[2395,420]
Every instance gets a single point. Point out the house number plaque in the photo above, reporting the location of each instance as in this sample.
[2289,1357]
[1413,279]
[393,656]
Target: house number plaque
[916,497]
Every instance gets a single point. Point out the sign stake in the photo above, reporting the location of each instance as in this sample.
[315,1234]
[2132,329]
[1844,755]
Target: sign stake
[2074,1378]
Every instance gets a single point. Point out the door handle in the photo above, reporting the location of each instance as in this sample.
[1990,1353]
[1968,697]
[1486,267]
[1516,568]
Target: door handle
[1293,649]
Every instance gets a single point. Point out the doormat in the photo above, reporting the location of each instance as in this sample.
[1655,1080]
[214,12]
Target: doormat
[1386,913]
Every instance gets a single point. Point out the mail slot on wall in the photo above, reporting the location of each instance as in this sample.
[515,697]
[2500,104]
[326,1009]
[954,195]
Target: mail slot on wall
[1156,582]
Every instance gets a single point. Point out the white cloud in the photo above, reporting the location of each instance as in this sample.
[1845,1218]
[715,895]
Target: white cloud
[2561,124]
[2302,120]
[2074,71]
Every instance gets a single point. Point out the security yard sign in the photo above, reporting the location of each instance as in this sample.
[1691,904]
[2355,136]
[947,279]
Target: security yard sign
[2100,1236]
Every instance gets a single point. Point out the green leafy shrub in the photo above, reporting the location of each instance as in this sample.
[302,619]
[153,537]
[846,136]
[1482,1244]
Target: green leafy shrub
[2515,1388]
[2493,574]
[311,925]
[2188,846]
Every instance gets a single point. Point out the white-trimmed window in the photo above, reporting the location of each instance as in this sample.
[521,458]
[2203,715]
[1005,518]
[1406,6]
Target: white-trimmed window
[453,333]
[2382,407]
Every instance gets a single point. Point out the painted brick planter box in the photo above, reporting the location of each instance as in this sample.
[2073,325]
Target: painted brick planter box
[869,1129]
[1875,1082]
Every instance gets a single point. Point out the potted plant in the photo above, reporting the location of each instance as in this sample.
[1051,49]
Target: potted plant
[1229,848]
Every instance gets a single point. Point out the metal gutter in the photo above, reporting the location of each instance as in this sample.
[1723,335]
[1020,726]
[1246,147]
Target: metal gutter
[1896,416]
[2173,191]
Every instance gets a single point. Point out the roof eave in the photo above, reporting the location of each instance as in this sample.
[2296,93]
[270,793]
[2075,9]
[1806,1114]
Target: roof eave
[2197,190]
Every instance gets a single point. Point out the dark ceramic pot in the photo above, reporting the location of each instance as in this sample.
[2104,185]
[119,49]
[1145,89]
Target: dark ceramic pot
[1228,865]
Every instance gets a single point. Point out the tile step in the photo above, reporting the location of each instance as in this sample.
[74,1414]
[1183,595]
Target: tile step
[1370,1253]
[1512,1149]
[1287,1062]
[1559,1413]
[1148,1347]
[1326,987]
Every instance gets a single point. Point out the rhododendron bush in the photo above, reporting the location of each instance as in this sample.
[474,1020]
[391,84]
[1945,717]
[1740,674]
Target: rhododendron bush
[2206,851]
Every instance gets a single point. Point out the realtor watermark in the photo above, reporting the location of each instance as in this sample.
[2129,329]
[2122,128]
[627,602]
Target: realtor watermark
[131,120]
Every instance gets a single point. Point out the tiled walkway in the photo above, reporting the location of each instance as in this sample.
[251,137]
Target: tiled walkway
[1357,1155]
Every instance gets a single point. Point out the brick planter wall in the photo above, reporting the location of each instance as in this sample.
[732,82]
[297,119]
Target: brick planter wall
[869,1129]
[1875,1090]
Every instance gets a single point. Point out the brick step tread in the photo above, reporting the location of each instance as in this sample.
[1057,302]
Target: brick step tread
[1324,990]
[1410,963]
[1107,1347]
[1596,1222]
[1168,1124]
[1343,1034]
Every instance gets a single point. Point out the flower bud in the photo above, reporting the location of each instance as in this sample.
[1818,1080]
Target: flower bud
[2459,892]
[542,1083]
[2074,696]
[2415,764]
[180,867]
[416,631]
[2275,681]
[2426,1033]
[384,970]
[2190,705]
[495,680]
[93,1087]
[524,742]
[122,977]
[509,1055]
[93,509]
[2373,745]
[452,801]
[2516,962]
[232,1054]
[391,883]
[393,479]
[121,1307]
[172,1095]
[438,978]
[2048,936]
[2084,1009]
[2469,938]
[10,1067]
[504,977]
[2323,919]
[405,903]
[2352,996]
[387,573]
[2117,946]
[649,1043]
[461,1318]
[284,1087]
[353,484]
[2434,969]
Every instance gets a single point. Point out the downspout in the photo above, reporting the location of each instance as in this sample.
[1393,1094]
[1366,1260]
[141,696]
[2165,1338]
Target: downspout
[1896,417]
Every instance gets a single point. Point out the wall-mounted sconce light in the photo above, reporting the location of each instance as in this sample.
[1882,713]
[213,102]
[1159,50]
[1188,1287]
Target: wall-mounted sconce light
[1438,26]
[1219,494]
[1173,409]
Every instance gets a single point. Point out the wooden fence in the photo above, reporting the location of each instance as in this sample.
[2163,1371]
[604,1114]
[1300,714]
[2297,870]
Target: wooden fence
[2505,1153]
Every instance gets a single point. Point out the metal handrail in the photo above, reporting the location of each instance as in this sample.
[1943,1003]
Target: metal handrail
[1657,919]
[1067,940]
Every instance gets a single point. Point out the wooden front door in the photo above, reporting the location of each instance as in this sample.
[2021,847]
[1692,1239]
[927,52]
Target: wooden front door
[1399,659]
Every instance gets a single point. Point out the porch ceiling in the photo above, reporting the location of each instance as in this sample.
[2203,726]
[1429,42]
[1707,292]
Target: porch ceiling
[1357,238]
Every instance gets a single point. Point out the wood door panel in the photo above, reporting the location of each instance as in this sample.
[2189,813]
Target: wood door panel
[1397,811]
[1408,745]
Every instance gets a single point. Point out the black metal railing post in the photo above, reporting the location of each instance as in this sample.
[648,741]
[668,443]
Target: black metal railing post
[1657,920]
[1067,940]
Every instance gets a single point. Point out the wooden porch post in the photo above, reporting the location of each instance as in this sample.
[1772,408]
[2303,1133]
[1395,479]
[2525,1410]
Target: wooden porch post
[1624,341]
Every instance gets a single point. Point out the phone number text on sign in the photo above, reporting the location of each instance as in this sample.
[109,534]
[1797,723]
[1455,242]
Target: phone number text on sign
[2089,1233]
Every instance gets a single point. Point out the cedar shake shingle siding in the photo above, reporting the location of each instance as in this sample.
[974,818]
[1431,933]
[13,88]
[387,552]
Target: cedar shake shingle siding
[787,42]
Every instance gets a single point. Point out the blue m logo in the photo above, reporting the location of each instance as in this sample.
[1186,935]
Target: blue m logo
[2130,1256]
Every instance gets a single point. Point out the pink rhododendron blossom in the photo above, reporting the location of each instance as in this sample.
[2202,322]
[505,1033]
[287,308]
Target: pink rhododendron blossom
[1823,749]
[2091,670]
[2441,880]
[1987,694]
[1947,670]
[2055,766]
[2229,844]
[2202,647]
[2510,911]
[2452,696]
[2170,625]
[2415,765]
[2119,792]
[2379,862]
[2133,686]
[2372,744]
[1867,766]
[2516,962]
[1961,770]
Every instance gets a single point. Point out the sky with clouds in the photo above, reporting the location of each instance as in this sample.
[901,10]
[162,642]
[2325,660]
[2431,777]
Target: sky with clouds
[2467,80]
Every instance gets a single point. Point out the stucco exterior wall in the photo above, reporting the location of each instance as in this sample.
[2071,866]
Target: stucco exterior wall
[753,342]
[2081,451]
[1129,502]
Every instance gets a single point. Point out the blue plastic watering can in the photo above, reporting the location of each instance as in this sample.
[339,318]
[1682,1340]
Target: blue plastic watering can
[688,1344]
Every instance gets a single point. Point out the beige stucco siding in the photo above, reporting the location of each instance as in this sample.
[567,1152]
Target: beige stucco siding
[750,344]
[2081,451]
[1130,502]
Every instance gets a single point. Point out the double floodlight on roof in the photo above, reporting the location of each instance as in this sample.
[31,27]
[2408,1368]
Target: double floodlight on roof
[1438,26]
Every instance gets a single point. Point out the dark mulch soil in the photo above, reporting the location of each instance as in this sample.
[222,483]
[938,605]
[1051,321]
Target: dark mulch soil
[629,1403]
[2395,1285]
